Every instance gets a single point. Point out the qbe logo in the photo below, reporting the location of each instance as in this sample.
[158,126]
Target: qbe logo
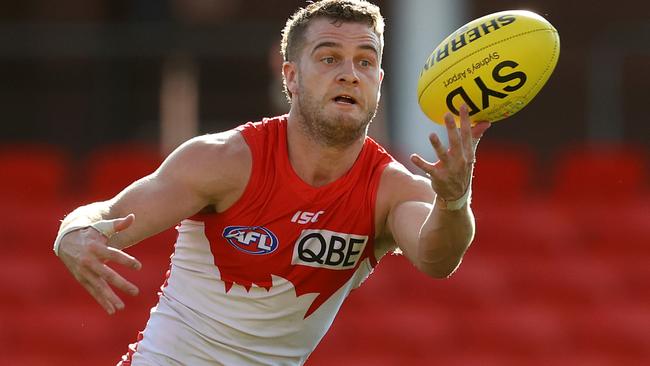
[328,249]
[256,240]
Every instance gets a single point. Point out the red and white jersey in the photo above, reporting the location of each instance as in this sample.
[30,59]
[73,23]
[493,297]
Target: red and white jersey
[261,283]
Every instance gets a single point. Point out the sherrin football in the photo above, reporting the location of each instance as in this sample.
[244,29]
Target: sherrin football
[495,64]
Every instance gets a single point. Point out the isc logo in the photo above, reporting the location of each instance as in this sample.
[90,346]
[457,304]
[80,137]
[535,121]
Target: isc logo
[328,249]
[304,217]
[499,76]
[251,239]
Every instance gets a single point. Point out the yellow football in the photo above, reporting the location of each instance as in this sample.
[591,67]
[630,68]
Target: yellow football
[495,64]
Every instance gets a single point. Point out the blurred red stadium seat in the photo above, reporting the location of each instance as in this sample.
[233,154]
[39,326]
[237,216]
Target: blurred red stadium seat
[617,231]
[33,172]
[617,328]
[111,168]
[600,173]
[528,229]
[564,282]
[503,173]
[67,335]
[521,329]
[635,278]
[30,228]
[30,279]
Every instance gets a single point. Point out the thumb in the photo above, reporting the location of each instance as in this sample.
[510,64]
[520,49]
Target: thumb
[479,128]
[108,228]
[477,132]
[123,223]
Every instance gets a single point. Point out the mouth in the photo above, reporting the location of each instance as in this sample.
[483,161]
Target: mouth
[345,99]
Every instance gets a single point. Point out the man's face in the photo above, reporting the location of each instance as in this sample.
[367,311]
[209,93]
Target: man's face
[336,80]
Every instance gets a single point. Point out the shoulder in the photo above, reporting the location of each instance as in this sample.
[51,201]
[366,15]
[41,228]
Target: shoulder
[211,150]
[398,184]
[213,164]
[214,147]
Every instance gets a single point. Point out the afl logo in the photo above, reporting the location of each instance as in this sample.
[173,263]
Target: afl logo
[255,240]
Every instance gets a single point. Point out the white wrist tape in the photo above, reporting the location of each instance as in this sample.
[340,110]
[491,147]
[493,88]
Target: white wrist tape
[104,227]
[457,204]
[460,202]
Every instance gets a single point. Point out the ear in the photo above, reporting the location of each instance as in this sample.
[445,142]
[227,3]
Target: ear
[290,72]
[381,75]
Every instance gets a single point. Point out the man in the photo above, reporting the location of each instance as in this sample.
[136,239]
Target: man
[280,219]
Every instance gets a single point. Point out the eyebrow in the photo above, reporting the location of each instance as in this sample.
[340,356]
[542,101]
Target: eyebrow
[366,46]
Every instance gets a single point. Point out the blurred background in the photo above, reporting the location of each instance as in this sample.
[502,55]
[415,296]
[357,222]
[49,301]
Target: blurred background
[94,92]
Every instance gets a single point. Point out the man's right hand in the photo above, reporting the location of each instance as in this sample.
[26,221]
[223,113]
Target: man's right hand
[85,252]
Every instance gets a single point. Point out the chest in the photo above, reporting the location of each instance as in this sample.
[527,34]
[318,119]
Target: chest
[285,234]
[316,247]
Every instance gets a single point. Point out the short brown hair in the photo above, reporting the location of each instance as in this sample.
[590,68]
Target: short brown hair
[357,11]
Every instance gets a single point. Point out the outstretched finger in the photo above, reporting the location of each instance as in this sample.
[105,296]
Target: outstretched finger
[452,131]
[107,292]
[114,279]
[465,130]
[93,285]
[118,256]
[439,148]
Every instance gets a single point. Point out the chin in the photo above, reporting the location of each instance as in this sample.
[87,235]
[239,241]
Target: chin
[347,120]
[353,116]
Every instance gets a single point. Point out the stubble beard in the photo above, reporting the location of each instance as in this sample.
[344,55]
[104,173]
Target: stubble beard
[330,130]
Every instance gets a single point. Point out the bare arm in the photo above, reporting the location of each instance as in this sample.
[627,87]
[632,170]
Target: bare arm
[432,233]
[433,239]
[205,171]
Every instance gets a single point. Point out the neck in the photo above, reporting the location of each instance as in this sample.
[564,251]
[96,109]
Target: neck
[316,163]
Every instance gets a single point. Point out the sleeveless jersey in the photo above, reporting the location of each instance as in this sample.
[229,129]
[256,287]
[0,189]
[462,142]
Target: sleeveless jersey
[261,282]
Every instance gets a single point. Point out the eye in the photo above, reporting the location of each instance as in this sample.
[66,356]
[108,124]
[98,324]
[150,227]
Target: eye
[365,63]
[328,60]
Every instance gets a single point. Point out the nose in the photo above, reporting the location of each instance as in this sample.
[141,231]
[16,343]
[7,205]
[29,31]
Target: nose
[348,73]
